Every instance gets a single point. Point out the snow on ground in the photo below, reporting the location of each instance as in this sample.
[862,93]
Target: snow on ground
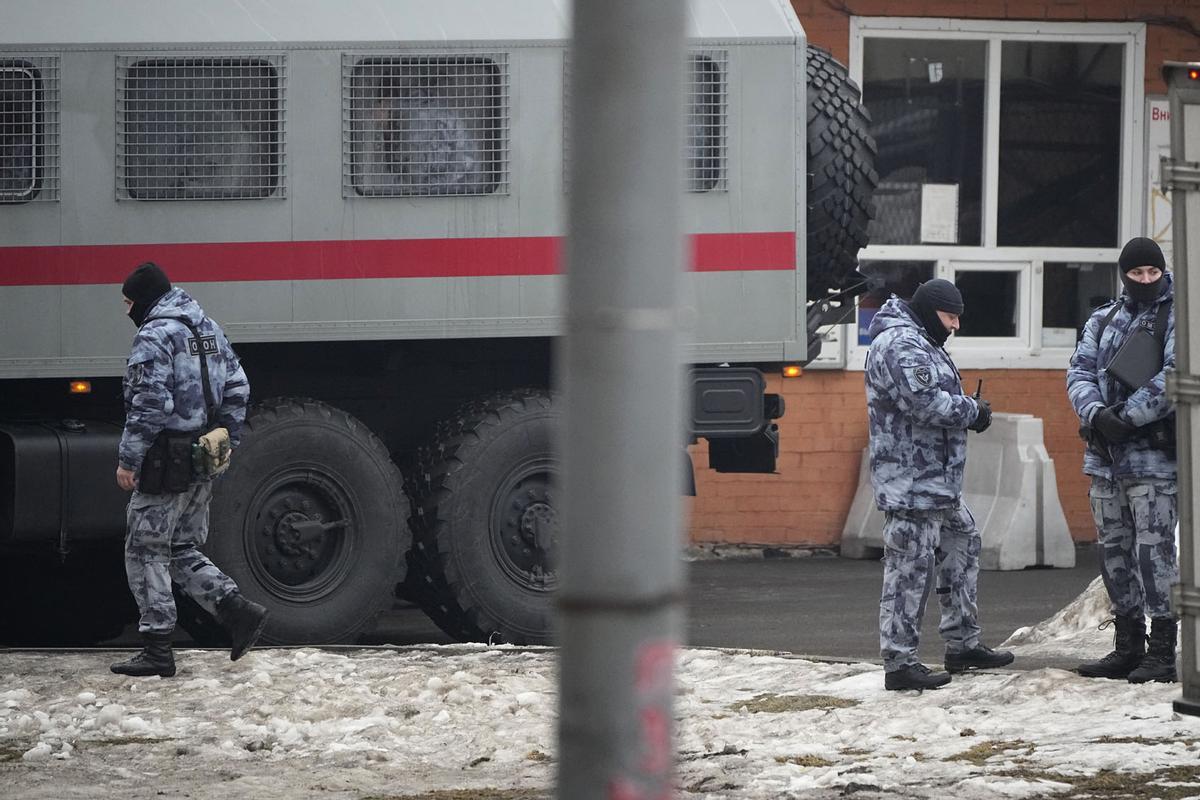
[411,722]
[1074,631]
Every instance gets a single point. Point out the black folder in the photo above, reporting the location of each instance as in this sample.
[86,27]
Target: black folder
[1139,359]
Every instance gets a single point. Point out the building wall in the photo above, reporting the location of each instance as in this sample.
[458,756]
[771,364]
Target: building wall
[825,428]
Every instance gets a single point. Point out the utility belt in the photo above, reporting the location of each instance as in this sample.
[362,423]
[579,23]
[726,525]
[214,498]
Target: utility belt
[177,459]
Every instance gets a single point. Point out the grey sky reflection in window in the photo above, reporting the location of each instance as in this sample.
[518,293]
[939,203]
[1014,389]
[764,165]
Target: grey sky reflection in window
[926,99]
[1060,144]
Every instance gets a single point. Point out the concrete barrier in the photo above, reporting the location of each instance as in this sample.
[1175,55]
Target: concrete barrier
[1010,487]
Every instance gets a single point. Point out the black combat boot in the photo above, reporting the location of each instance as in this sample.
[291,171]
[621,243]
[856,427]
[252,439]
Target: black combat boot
[978,657]
[914,676]
[1159,663]
[244,620]
[1129,648]
[156,658]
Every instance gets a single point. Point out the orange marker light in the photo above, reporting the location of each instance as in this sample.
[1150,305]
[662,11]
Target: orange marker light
[792,371]
[1194,74]
[80,387]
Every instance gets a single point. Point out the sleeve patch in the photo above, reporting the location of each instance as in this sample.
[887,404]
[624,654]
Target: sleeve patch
[920,378]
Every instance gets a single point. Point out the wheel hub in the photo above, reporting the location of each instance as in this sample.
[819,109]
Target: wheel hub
[297,547]
[526,530]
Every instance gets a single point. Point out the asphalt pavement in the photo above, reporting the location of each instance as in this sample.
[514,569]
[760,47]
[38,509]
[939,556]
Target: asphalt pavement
[821,606]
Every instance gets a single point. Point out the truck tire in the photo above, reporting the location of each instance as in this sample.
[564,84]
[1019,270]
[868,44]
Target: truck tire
[485,530]
[841,174]
[309,520]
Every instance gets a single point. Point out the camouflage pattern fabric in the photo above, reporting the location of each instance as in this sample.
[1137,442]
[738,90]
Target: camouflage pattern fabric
[1090,389]
[163,387]
[917,414]
[1136,523]
[165,532]
[916,545]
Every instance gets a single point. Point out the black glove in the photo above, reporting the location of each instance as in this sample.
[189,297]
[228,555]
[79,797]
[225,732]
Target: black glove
[983,419]
[1114,429]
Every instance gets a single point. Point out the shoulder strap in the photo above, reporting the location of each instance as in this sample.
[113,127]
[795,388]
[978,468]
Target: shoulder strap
[1160,323]
[209,409]
[1107,319]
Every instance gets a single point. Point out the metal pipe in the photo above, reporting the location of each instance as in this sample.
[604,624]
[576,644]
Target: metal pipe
[1181,174]
[621,613]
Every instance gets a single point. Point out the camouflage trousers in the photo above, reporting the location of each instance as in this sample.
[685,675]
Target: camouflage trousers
[1135,520]
[164,533]
[918,544]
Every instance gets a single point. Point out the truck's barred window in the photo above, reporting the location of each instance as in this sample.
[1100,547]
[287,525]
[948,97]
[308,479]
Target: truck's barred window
[425,125]
[707,111]
[28,129]
[200,128]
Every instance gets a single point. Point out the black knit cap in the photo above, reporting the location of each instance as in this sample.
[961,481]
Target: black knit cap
[144,286]
[931,297]
[940,295]
[1141,252]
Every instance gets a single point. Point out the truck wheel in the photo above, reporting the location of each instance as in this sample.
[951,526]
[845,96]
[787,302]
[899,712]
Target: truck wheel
[841,174]
[309,520]
[484,522]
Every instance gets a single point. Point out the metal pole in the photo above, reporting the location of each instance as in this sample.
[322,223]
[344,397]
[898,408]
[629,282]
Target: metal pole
[1181,174]
[622,574]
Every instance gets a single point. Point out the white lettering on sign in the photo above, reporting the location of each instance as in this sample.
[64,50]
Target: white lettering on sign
[1158,200]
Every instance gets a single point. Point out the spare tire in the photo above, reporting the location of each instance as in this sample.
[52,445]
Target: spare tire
[841,174]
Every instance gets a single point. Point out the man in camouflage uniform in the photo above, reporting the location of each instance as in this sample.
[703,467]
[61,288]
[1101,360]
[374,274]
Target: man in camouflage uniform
[918,418]
[1131,460]
[164,391]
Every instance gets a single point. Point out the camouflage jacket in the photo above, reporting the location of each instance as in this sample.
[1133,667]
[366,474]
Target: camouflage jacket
[1090,388]
[163,387]
[917,414]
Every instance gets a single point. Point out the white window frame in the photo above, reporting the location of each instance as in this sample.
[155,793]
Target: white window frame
[1025,351]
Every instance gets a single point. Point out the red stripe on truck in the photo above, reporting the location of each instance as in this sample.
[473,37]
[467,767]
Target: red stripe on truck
[348,260]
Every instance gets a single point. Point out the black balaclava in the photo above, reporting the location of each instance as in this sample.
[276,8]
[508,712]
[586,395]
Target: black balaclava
[144,286]
[934,296]
[1141,252]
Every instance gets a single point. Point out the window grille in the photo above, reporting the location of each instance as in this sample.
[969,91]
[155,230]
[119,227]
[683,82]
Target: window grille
[200,128]
[425,125]
[707,121]
[706,140]
[28,129]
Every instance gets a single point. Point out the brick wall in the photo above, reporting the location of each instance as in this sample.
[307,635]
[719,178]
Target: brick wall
[827,22]
[822,437]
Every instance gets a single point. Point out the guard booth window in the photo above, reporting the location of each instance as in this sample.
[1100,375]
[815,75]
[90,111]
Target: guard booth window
[1009,155]
[28,129]
[199,128]
[1071,291]
[926,99]
[1060,144]
[425,125]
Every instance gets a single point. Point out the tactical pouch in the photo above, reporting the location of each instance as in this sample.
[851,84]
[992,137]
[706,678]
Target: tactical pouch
[210,453]
[167,467]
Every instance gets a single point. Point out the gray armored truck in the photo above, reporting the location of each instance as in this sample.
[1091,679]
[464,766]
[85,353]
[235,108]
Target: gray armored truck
[369,197]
